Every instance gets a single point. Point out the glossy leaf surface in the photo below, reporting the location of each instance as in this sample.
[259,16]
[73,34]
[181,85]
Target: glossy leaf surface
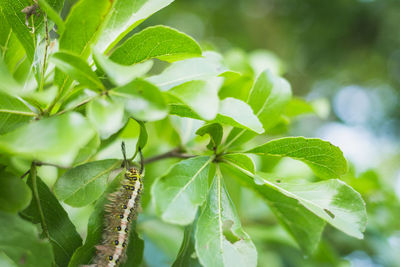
[220,238]
[178,193]
[156,42]
[325,159]
[84,184]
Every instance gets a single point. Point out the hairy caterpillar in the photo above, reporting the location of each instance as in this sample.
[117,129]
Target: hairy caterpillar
[120,212]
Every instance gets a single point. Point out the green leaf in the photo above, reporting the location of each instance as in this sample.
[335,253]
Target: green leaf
[12,51]
[30,35]
[178,193]
[53,14]
[85,253]
[237,113]
[84,184]
[333,201]
[220,238]
[14,193]
[182,110]
[13,113]
[77,68]
[236,85]
[232,112]
[82,25]
[237,137]
[11,10]
[200,96]
[57,227]
[185,256]
[142,100]
[241,161]
[325,159]
[88,150]
[121,74]
[130,134]
[305,227]
[268,98]
[19,240]
[106,115]
[124,18]
[185,127]
[142,141]
[5,261]
[53,140]
[215,131]
[8,83]
[159,42]
[298,106]
[203,68]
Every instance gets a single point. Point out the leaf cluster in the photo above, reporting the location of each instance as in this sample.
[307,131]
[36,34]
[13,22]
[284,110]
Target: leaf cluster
[69,101]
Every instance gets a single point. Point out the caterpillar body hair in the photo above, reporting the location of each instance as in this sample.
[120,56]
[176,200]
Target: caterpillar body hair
[119,214]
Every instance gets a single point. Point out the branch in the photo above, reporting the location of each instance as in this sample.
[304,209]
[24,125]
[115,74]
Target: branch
[175,153]
[46,48]
[84,102]
[40,163]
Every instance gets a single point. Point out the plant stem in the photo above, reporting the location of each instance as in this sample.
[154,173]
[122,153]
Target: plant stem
[35,192]
[5,47]
[57,98]
[25,174]
[46,48]
[175,153]
[77,106]
[40,163]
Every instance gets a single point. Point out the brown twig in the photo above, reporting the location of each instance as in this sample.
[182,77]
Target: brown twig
[40,163]
[25,174]
[175,153]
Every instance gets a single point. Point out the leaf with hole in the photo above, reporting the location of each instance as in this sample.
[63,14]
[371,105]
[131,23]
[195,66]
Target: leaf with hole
[333,201]
[308,227]
[215,131]
[220,238]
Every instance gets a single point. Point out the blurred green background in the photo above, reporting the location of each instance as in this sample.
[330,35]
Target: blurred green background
[344,57]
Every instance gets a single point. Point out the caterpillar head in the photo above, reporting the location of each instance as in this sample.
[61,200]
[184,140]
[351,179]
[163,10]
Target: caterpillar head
[133,174]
